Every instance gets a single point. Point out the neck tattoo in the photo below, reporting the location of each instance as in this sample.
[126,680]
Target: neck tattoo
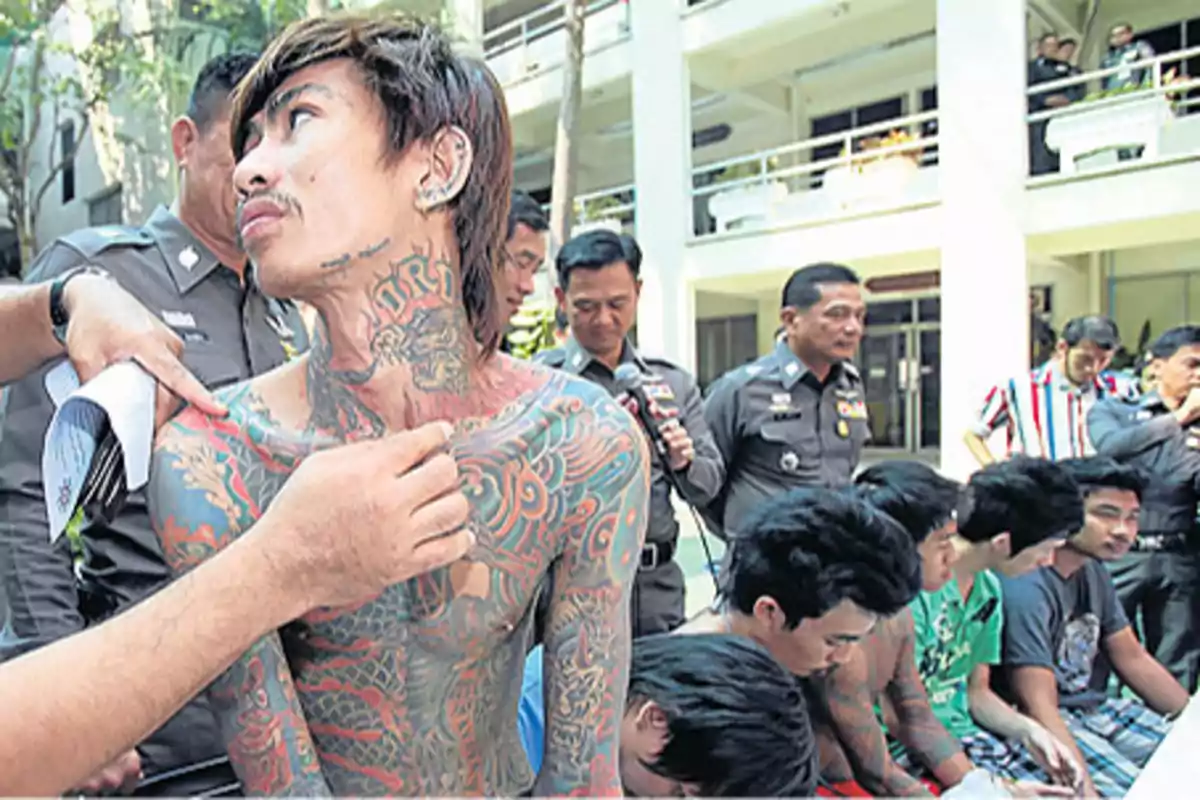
[416,323]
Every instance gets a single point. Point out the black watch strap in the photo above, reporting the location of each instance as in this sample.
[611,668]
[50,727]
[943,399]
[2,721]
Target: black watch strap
[59,318]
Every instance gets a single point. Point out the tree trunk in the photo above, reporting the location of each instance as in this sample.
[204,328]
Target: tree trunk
[562,188]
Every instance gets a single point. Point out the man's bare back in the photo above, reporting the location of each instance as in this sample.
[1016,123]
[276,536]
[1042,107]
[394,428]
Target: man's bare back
[415,692]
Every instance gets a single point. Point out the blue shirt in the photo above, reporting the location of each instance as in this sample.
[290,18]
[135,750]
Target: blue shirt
[531,710]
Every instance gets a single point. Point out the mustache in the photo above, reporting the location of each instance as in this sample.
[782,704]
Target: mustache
[284,201]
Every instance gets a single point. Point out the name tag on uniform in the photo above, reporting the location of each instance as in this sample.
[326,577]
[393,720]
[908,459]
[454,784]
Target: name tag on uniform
[852,409]
[781,402]
[1142,416]
[179,319]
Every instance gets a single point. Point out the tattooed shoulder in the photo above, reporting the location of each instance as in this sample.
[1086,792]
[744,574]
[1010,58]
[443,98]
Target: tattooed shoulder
[206,476]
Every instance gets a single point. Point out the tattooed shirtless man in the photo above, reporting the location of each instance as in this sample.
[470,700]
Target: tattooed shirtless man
[374,167]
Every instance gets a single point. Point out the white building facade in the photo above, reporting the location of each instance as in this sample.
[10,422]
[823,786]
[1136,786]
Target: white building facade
[742,139]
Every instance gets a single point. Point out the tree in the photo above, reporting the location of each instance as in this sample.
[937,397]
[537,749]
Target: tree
[562,186]
[38,96]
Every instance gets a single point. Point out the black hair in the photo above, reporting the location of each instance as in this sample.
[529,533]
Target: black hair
[737,724]
[1031,499]
[560,320]
[1102,472]
[524,210]
[595,250]
[811,548]
[912,493]
[1101,330]
[1171,341]
[1120,26]
[1046,37]
[1068,41]
[214,86]
[801,290]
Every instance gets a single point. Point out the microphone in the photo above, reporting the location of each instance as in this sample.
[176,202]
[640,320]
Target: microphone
[629,380]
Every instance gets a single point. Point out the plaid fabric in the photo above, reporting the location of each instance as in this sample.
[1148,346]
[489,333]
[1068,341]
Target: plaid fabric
[989,752]
[1001,757]
[1116,738]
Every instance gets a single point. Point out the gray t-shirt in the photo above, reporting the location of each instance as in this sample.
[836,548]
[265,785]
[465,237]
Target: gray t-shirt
[1060,623]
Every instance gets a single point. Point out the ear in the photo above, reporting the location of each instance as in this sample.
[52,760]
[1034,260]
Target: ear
[637,288]
[561,297]
[1002,544]
[652,716]
[787,315]
[1061,348]
[183,135]
[450,159]
[768,613]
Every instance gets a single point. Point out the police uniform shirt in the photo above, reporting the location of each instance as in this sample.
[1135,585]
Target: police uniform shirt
[778,427]
[1143,433]
[672,388]
[230,333]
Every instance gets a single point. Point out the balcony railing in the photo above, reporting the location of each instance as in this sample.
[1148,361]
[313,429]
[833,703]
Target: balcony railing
[1099,130]
[871,168]
[614,205]
[537,24]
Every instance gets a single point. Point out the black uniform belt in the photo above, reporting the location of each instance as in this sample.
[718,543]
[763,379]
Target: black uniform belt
[656,554]
[1160,542]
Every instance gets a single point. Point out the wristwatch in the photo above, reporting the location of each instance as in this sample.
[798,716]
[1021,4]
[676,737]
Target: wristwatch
[59,318]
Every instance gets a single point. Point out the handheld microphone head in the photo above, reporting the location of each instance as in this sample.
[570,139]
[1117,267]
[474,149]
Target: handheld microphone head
[628,378]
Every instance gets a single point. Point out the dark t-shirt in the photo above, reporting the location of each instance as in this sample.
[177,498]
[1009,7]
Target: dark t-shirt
[1060,623]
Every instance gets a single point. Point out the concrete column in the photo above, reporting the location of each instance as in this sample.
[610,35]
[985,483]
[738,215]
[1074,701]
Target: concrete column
[1096,284]
[466,20]
[662,164]
[983,155]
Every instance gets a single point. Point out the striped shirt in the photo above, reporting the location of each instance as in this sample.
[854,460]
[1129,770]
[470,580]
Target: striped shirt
[1045,415]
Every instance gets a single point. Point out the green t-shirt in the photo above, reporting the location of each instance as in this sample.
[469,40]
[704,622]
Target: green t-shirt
[952,637]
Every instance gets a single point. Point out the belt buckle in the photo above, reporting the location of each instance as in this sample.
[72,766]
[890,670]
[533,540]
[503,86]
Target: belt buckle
[650,563]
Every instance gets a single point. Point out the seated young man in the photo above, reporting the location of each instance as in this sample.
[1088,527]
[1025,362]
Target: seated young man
[855,757]
[1015,515]
[711,715]
[1063,628]
[811,573]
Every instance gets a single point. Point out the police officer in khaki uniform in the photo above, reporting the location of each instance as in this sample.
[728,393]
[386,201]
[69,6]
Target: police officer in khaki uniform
[185,267]
[797,416]
[1159,433]
[598,288]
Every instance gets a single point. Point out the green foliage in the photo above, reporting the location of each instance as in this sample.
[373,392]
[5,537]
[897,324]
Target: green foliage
[533,331]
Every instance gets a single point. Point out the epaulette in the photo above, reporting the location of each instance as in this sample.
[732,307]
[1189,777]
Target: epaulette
[92,241]
[659,361]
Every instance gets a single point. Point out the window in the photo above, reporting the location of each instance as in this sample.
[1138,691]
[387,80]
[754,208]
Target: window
[1178,36]
[67,154]
[105,209]
[891,108]
[723,343]
[929,102]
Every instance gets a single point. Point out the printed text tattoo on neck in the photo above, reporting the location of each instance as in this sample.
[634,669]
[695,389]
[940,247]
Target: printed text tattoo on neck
[345,259]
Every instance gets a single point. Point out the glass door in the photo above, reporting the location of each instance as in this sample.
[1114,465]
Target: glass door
[901,371]
[884,365]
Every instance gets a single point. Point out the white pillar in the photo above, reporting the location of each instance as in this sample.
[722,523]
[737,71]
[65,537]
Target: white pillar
[662,164]
[466,21]
[1096,287]
[981,56]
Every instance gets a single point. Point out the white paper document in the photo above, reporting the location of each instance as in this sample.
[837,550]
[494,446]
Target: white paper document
[124,394]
